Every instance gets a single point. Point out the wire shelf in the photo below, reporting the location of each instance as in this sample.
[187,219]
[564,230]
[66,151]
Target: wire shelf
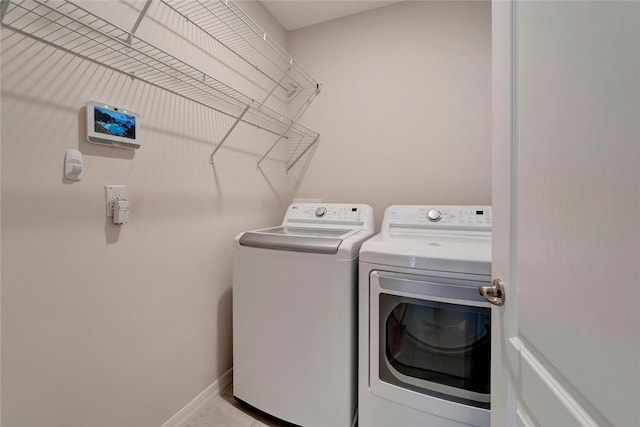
[75,30]
[226,23]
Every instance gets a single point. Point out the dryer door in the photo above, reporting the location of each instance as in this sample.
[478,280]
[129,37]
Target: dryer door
[430,343]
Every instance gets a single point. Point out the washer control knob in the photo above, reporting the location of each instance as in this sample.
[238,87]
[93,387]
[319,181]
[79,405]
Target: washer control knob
[434,215]
[320,212]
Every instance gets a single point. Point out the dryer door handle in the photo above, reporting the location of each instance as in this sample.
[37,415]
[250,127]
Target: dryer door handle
[494,293]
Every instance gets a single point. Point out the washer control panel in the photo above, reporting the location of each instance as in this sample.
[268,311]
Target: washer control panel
[329,213]
[438,217]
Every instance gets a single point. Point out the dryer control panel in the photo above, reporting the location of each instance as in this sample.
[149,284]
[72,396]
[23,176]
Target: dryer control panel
[330,214]
[470,218]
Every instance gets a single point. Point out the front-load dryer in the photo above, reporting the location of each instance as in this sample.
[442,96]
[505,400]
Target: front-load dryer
[294,314]
[424,329]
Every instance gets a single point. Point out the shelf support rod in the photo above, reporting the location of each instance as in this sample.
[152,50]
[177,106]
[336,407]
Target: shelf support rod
[303,153]
[226,135]
[272,146]
[4,5]
[138,21]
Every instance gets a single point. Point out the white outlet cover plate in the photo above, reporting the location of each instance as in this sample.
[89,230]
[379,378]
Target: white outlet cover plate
[114,192]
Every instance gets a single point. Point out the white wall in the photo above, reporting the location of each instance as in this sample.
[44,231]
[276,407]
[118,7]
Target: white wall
[404,113]
[120,326]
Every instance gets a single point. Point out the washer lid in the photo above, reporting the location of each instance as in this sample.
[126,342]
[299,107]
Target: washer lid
[297,239]
[446,252]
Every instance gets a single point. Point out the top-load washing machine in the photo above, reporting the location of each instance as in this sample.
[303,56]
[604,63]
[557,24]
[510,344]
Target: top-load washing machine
[294,314]
[424,329]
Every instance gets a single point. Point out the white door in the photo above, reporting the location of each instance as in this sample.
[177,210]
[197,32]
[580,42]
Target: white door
[566,205]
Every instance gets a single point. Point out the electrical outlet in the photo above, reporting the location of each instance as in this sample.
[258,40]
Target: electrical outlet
[111,193]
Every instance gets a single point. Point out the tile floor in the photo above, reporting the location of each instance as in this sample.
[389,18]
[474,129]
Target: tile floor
[225,411]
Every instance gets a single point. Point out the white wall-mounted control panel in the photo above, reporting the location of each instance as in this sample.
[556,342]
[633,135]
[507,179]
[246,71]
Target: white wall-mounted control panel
[107,124]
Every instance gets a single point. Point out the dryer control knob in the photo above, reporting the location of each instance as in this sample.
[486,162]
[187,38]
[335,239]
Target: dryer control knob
[434,215]
[320,212]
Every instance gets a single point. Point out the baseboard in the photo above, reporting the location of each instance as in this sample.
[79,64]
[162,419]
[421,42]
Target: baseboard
[191,409]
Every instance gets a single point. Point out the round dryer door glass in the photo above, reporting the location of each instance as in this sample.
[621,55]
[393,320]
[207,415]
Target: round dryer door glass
[436,348]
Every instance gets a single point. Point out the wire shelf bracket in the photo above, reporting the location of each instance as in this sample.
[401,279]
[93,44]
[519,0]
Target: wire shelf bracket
[4,5]
[226,135]
[138,21]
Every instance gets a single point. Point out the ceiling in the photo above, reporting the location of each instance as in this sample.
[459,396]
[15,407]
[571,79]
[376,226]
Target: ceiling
[295,14]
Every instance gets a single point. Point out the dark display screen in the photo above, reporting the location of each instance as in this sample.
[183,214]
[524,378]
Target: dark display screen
[114,123]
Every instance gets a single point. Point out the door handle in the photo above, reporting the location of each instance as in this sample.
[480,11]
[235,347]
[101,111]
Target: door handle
[494,293]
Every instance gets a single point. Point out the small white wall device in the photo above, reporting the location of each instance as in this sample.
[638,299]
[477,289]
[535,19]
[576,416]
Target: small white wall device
[111,125]
[120,212]
[73,165]
[117,204]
